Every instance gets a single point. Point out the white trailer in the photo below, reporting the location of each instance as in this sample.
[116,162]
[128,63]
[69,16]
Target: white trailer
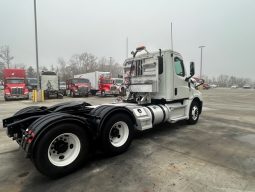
[49,83]
[93,77]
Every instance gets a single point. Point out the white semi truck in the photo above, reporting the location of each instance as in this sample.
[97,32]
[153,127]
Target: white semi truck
[58,139]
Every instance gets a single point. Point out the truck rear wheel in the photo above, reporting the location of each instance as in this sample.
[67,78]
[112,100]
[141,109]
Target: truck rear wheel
[117,134]
[61,150]
[193,113]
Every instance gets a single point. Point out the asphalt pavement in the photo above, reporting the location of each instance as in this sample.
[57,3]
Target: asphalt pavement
[216,154]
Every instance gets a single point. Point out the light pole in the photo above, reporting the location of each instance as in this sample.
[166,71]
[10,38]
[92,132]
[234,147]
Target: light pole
[111,65]
[201,60]
[36,48]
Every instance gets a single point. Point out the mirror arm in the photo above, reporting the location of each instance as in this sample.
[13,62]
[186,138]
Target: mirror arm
[203,81]
[187,78]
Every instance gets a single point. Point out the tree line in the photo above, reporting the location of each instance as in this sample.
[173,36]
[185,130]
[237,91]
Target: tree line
[87,62]
[66,69]
[228,81]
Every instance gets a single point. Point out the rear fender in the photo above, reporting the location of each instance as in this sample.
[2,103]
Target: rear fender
[39,127]
[104,112]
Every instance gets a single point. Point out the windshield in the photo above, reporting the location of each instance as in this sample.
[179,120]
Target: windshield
[62,83]
[118,81]
[80,81]
[12,81]
[32,81]
[106,81]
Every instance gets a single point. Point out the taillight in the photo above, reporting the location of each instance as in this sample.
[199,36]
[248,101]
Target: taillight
[29,136]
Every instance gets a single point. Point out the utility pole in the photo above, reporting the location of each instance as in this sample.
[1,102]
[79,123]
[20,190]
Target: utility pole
[36,49]
[111,65]
[201,60]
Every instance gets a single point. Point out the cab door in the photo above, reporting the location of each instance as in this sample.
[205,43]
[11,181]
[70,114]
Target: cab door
[181,88]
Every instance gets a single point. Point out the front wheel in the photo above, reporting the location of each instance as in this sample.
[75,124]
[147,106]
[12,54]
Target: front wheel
[193,113]
[117,134]
[61,150]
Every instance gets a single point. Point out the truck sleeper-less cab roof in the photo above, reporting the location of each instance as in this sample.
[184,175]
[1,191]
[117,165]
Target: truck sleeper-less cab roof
[157,75]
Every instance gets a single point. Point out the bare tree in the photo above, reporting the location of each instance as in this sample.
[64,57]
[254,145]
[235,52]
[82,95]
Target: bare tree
[5,56]
[31,72]
[85,63]
[63,70]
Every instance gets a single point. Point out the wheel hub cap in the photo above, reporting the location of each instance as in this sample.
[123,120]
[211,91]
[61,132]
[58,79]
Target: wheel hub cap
[118,134]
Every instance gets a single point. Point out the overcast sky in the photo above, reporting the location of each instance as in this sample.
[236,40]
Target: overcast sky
[66,27]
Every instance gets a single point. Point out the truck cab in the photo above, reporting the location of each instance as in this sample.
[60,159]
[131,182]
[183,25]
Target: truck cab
[158,77]
[107,86]
[14,84]
[78,87]
[119,83]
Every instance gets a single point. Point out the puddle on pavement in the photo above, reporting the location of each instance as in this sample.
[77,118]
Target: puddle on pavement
[250,138]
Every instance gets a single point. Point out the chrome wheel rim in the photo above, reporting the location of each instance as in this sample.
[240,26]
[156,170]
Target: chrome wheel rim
[195,112]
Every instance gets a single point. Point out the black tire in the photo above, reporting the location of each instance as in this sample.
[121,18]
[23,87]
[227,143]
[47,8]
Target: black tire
[107,145]
[41,154]
[193,113]
[27,110]
[93,92]
[115,95]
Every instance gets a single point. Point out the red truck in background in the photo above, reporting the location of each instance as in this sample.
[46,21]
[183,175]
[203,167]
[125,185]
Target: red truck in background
[14,84]
[78,87]
[106,85]
[101,82]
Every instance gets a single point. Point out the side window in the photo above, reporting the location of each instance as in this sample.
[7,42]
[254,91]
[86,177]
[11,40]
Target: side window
[179,67]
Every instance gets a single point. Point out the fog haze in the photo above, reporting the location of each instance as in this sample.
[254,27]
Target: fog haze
[66,27]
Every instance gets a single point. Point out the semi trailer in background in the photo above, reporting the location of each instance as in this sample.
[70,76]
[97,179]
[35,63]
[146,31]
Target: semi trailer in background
[49,82]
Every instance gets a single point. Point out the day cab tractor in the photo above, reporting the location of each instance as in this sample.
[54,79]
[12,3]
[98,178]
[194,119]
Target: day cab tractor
[106,86]
[119,83]
[78,87]
[14,84]
[59,139]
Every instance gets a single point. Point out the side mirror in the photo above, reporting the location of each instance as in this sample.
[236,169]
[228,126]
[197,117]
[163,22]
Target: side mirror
[192,69]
